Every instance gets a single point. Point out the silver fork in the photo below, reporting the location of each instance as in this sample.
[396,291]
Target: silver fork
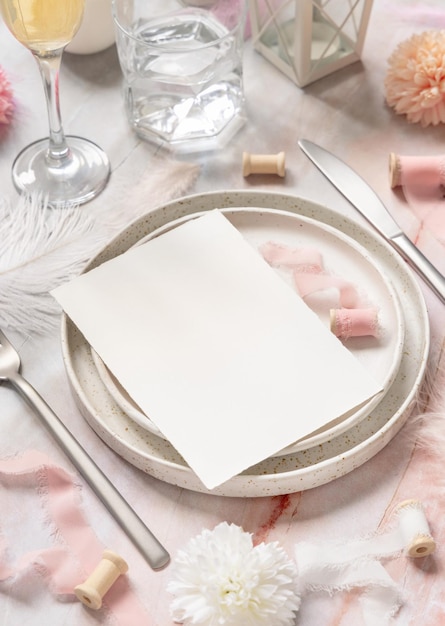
[137,531]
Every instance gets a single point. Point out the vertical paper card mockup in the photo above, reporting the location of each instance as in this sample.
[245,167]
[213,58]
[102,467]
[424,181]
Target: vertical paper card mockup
[207,339]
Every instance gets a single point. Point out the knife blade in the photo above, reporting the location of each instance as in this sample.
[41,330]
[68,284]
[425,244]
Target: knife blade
[357,191]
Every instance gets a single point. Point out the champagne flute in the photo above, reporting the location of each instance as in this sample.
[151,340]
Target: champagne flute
[61,169]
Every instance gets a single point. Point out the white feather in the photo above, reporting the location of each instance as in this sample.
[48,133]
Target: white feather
[425,428]
[157,184]
[41,247]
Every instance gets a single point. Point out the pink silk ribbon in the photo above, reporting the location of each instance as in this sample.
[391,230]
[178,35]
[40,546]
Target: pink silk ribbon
[308,284]
[306,260]
[422,179]
[306,265]
[346,323]
[428,204]
[79,551]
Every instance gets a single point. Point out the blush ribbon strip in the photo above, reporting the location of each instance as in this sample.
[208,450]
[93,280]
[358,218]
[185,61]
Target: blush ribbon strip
[306,265]
[307,284]
[78,552]
[306,260]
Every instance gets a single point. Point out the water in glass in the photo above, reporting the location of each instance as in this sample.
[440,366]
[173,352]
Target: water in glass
[183,77]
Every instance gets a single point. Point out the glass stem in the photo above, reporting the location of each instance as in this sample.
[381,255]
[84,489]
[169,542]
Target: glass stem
[49,65]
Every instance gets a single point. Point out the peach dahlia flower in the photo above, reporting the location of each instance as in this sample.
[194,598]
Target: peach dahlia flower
[415,81]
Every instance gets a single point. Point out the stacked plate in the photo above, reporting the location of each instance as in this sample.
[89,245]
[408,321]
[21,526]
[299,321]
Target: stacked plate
[397,358]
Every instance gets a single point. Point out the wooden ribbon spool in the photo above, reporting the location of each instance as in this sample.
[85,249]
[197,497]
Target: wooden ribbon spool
[264,164]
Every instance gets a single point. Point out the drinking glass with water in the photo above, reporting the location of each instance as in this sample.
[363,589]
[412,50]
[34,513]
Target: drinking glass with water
[182,67]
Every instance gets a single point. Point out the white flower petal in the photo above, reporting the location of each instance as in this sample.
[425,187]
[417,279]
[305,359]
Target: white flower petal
[221,579]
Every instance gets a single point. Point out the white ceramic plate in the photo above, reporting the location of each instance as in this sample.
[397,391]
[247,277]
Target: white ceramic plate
[342,257]
[278,475]
[121,397]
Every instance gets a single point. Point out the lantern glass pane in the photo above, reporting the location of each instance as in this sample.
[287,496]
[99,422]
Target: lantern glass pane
[308,39]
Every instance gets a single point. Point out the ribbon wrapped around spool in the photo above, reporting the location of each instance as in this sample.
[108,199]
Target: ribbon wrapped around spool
[346,323]
[414,528]
[426,171]
[422,179]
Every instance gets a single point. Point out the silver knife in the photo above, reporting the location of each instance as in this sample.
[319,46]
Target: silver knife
[367,202]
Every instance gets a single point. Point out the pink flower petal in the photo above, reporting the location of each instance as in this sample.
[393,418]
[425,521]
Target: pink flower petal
[6,99]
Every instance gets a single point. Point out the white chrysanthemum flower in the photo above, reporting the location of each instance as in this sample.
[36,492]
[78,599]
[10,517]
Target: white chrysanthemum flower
[222,579]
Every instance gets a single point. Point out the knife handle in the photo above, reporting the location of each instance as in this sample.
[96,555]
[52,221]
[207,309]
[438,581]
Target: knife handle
[420,264]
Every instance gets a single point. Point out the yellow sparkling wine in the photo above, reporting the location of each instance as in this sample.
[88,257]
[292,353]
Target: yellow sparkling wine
[43,25]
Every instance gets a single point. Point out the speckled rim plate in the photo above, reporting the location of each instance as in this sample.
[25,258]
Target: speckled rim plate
[278,475]
[342,257]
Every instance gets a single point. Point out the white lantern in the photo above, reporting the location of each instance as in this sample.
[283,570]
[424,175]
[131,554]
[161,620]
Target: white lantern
[308,39]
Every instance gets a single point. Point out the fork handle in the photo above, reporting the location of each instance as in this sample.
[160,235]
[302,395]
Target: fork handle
[149,546]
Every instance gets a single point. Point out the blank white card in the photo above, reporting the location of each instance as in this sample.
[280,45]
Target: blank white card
[209,341]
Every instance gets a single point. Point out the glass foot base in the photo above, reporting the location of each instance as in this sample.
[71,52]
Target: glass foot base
[76,178]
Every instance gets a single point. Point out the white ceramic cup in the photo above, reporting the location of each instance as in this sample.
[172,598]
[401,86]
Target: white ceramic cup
[96,32]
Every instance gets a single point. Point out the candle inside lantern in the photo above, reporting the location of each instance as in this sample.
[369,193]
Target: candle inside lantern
[325,43]
[309,39]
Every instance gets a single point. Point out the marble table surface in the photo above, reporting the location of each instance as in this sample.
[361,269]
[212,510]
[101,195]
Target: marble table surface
[346,113]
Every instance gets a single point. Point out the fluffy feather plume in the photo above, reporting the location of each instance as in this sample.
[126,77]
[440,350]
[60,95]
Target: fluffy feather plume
[41,248]
[160,182]
[425,428]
